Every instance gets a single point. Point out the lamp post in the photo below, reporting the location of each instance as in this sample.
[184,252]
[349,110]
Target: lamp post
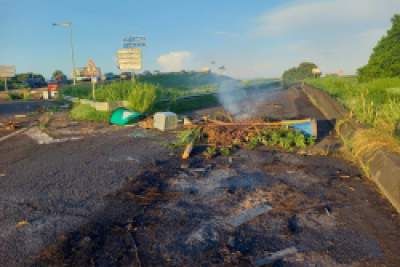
[69,25]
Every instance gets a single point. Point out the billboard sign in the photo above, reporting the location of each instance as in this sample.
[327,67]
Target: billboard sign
[7,71]
[129,59]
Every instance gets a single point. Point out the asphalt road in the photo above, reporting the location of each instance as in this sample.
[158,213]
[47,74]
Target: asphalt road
[47,191]
[58,187]
[8,108]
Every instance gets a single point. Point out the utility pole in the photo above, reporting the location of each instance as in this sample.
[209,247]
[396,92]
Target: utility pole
[69,25]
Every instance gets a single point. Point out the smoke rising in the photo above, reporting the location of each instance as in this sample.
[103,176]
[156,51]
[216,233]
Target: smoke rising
[230,95]
[243,102]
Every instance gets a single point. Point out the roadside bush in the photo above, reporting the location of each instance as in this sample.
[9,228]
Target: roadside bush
[143,96]
[82,90]
[115,91]
[88,113]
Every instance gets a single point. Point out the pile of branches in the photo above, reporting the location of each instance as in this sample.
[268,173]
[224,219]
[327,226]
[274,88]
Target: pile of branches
[222,137]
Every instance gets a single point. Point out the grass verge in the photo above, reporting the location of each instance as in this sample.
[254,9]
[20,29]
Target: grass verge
[375,104]
[186,105]
[82,112]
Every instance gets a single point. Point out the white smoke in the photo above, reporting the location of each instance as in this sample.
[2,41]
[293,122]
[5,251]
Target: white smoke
[231,95]
[241,102]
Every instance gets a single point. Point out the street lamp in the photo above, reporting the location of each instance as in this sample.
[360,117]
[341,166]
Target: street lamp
[69,25]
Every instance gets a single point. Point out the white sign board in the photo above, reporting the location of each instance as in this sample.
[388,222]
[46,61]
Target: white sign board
[7,71]
[129,59]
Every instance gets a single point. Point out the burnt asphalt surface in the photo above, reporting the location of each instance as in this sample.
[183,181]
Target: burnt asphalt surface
[59,187]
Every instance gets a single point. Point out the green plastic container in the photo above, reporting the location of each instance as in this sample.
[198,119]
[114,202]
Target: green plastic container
[122,116]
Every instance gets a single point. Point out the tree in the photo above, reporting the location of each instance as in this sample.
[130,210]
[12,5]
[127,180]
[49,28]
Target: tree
[384,61]
[58,75]
[36,81]
[296,74]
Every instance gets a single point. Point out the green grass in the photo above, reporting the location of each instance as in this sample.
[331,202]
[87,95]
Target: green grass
[143,96]
[185,105]
[172,85]
[82,112]
[183,80]
[120,90]
[261,83]
[375,103]
[145,104]
[171,93]
[81,90]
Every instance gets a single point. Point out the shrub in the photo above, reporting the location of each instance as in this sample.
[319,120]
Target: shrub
[115,91]
[82,90]
[88,113]
[143,96]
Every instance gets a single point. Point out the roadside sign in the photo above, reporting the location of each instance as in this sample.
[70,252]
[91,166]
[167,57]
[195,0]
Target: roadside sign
[7,71]
[134,41]
[129,59]
[94,79]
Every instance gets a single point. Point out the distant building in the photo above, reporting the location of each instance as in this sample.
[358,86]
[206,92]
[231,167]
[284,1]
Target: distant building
[85,73]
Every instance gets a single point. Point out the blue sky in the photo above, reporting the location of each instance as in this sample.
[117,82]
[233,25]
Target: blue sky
[252,38]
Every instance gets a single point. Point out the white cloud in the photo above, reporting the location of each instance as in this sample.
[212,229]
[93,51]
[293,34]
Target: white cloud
[174,61]
[325,15]
[335,34]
